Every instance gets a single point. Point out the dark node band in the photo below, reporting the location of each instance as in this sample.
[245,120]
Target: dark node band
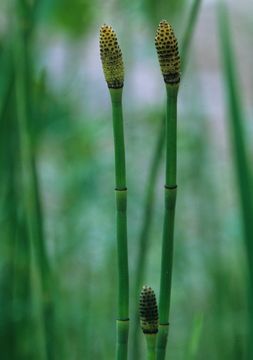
[164,324]
[115,85]
[171,78]
[170,187]
[127,319]
[146,331]
[123,189]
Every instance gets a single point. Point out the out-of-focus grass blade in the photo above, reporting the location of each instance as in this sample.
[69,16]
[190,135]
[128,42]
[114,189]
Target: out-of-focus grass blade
[7,213]
[236,126]
[241,162]
[6,81]
[40,273]
[188,34]
[195,335]
[15,324]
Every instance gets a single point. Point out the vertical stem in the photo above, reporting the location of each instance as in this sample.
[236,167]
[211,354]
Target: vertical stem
[8,211]
[121,221]
[122,339]
[119,144]
[171,136]
[167,255]
[151,346]
[153,175]
[169,215]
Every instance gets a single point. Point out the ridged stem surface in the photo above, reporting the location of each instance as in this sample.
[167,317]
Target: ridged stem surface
[121,223]
[169,215]
[151,346]
[119,144]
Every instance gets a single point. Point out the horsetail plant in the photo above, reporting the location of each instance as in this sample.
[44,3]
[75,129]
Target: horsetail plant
[169,59]
[153,173]
[112,63]
[149,319]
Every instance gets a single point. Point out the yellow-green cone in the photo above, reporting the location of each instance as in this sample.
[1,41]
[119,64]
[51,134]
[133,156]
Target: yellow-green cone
[168,54]
[148,311]
[111,57]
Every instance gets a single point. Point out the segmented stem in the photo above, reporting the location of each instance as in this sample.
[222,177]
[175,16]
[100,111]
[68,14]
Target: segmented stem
[169,59]
[113,68]
[121,220]
[170,192]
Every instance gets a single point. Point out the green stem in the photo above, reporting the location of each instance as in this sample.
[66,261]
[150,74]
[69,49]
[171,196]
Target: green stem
[119,145]
[162,341]
[121,220]
[171,136]
[152,180]
[122,339]
[169,215]
[8,215]
[151,346]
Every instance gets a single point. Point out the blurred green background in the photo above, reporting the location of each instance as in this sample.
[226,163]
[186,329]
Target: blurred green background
[57,249]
